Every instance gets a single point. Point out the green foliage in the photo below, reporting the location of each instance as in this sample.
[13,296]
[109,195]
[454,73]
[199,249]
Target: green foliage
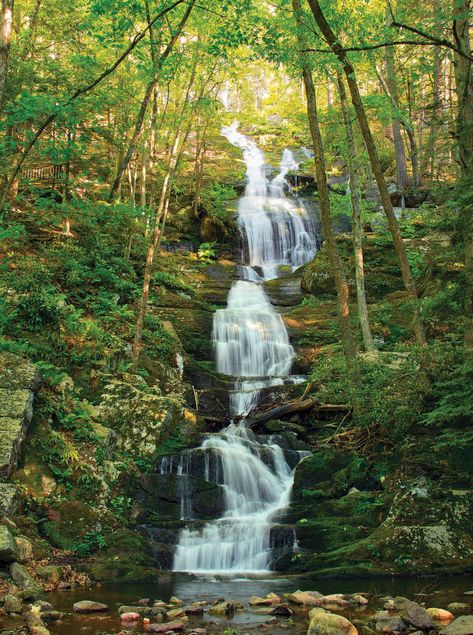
[451,397]
[214,200]
[207,252]
[171,281]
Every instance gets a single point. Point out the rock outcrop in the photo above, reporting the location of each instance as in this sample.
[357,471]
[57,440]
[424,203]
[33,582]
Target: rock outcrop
[19,380]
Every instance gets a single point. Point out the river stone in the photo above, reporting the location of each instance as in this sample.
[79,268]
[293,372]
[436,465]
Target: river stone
[359,599]
[175,614]
[440,615]
[8,548]
[50,574]
[89,606]
[225,608]
[394,625]
[51,616]
[129,617]
[194,609]
[268,600]
[413,614]
[337,599]
[324,623]
[144,611]
[458,607]
[11,604]
[164,628]
[460,626]
[24,548]
[34,622]
[282,611]
[307,598]
[22,578]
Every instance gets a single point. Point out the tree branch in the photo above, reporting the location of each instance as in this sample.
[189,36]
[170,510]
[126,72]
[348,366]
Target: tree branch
[372,47]
[82,91]
[432,38]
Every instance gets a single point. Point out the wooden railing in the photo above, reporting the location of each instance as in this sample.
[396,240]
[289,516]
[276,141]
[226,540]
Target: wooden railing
[43,174]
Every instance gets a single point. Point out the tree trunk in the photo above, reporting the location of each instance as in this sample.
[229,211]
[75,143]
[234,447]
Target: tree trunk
[5,38]
[401,168]
[428,163]
[151,251]
[406,273]
[322,189]
[464,88]
[355,193]
[145,102]
[409,128]
[199,168]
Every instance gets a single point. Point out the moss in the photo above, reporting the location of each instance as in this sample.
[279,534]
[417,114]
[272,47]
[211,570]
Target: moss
[72,521]
[127,558]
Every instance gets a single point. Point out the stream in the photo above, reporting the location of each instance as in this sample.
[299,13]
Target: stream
[433,591]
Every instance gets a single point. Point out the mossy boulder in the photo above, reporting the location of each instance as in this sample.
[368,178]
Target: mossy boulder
[8,547]
[8,498]
[423,528]
[128,557]
[50,574]
[19,380]
[69,524]
[30,589]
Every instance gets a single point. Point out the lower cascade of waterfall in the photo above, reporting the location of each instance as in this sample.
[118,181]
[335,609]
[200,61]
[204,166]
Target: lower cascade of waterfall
[256,481]
[251,345]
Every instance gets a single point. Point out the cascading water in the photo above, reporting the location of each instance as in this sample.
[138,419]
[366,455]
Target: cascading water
[252,345]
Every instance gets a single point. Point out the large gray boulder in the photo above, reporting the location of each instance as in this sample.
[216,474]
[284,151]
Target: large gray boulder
[23,579]
[19,380]
[461,626]
[8,548]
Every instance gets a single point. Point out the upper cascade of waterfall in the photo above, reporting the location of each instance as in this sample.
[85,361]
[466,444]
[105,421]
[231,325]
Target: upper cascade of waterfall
[277,230]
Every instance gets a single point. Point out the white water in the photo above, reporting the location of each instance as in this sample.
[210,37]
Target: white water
[252,345]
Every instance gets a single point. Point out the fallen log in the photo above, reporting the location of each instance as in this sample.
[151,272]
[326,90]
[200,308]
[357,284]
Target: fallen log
[294,407]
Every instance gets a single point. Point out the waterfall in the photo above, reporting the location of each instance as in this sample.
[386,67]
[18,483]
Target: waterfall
[251,344]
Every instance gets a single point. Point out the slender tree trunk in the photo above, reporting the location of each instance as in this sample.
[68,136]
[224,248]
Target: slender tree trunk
[406,273]
[144,162]
[410,131]
[355,193]
[5,39]
[161,215]
[325,212]
[401,167]
[145,101]
[151,251]
[464,88]
[428,163]
[199,168]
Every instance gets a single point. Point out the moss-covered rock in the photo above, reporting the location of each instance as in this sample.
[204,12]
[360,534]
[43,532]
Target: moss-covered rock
[8,547]
[70,522]
[19,379]
[127,558]
[30,589]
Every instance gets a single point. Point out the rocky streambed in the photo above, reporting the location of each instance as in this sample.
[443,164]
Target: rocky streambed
[183,604]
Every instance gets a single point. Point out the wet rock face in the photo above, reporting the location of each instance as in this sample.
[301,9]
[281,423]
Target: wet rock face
[19,380]
[161,495]
[349,520]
